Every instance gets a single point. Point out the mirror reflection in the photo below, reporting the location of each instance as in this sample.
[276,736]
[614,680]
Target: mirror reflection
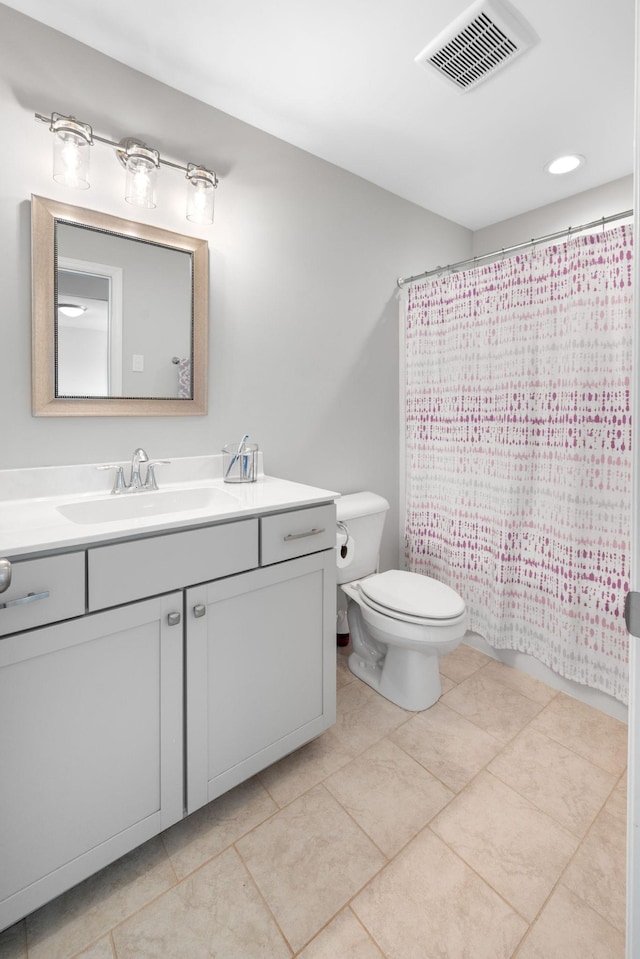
[123,315]
[87,324]
[120,317]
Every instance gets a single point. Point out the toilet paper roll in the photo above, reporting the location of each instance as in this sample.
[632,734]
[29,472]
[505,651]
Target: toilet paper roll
[345,551]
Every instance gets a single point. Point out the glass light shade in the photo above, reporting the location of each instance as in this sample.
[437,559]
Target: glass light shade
[142,172]
[200,186]
[71,144]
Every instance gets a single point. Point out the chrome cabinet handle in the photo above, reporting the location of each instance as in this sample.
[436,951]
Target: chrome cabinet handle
[173,619]
[199,610]
[309,532]
[5,575]
[29,598]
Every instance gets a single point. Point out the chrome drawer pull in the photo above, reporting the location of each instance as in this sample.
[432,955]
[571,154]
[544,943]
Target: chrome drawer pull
[309,532]
[29,598]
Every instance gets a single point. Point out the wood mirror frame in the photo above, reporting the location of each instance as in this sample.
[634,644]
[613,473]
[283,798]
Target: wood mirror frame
[45,214]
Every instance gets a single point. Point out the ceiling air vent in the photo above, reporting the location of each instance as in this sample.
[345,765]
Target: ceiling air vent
[482,40]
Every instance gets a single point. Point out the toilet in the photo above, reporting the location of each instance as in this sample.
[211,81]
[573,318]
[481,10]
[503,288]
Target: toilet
[400,622]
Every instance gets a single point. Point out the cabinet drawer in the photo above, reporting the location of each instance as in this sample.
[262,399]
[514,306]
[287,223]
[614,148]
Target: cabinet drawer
[58,587]
[286,535]
[122,572]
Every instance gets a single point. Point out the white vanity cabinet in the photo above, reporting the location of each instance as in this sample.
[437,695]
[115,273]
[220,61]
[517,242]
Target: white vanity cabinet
[260,653]
[183,663]
[260,673]
[91,758]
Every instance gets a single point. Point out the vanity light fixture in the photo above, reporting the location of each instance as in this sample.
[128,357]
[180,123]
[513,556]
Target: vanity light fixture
[201,184]
[71,309]
[71,143]
[141,162]
[564,164]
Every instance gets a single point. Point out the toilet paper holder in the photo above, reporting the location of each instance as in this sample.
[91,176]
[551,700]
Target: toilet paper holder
[345,531]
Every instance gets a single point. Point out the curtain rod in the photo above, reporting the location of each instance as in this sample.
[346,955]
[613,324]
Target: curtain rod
[474,260]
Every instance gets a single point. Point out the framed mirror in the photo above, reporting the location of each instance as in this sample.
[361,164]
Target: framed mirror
[120,316]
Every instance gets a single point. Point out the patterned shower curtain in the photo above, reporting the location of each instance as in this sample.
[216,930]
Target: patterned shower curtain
[518,434]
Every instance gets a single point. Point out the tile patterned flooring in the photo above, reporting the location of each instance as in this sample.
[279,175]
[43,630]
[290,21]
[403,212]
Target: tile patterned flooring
[491,825]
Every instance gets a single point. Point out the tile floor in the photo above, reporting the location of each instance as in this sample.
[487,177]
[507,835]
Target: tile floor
[490,826]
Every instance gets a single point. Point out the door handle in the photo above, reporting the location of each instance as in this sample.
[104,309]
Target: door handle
[5,575]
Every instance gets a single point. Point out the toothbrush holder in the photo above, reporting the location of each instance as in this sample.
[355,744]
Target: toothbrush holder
[240,466]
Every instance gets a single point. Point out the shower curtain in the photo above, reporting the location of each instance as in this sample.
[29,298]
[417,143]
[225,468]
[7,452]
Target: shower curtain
[518,463]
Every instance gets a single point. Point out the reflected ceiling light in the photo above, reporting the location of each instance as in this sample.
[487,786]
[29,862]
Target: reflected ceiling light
[71,309]
[142,163]
[565,164]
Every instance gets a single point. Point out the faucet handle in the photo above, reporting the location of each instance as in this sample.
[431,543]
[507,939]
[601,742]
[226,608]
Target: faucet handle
[150,479]
[119,485]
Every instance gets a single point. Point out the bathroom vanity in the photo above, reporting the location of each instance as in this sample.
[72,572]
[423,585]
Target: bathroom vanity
[150,662]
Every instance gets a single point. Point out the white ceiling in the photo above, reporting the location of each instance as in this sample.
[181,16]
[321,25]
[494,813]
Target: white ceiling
[338,78]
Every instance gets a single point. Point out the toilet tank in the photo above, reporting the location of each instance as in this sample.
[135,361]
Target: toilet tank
[363,514]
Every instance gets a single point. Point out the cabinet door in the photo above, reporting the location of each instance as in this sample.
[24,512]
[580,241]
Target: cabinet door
[261,670]
[91,753]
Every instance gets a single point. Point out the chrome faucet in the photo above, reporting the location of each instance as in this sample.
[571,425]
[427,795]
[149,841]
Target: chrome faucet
[139,456]
[135,483]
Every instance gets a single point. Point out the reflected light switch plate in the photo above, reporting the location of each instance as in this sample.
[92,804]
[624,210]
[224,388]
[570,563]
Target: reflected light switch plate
[137,363]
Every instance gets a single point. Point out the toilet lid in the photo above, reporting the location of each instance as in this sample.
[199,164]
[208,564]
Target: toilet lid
[412,594]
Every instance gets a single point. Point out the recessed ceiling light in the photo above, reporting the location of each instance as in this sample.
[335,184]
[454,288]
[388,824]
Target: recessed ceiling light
[71,309]
[565,164]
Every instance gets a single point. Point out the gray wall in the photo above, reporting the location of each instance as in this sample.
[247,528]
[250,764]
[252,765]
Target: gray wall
[304,258]
[606,200]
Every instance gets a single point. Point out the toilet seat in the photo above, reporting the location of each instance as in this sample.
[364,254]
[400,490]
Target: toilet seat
[412,598]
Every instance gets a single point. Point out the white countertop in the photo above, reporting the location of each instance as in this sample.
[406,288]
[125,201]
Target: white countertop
[34,523]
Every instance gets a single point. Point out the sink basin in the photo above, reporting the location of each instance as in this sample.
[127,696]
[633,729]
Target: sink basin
[133,506]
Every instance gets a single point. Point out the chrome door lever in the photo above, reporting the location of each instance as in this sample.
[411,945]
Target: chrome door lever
[5,575]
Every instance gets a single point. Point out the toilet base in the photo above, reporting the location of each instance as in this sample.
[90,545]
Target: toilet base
[406,677]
